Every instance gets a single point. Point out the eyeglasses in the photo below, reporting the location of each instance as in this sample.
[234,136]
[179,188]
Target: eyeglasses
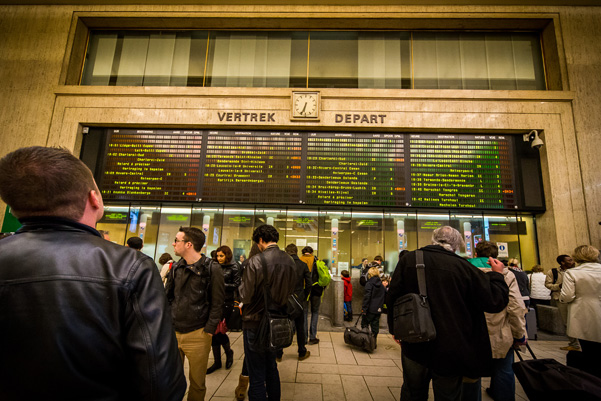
[179,240]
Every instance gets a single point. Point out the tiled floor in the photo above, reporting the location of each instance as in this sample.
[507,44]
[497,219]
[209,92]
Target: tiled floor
[336,371]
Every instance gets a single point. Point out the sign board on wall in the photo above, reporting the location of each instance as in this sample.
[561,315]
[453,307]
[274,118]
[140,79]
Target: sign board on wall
[310,168]
[503,249]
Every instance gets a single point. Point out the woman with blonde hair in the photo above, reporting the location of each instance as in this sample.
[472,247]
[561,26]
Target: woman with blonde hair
[373,300]
[580,290]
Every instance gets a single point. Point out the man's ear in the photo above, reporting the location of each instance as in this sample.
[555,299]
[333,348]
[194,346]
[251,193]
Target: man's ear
[95,199]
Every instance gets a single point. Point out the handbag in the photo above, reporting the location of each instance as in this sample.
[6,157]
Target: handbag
[234,321]
[221,327]
[412,318]
[275,330]
[294,307]
[362,338]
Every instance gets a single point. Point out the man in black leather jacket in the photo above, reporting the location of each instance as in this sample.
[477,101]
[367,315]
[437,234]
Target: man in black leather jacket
[279,269]
[302,291]
[195,291]
[82,318]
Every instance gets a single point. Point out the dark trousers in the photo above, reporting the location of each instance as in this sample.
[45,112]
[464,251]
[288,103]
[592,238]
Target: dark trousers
[299,324]
[416,381]
[262,369]
[373,321]
[591,355]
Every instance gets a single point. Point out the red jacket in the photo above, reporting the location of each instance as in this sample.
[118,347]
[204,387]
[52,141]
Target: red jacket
[348,289]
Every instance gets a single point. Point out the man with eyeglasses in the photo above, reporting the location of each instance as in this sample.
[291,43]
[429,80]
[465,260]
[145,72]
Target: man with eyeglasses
[195,290]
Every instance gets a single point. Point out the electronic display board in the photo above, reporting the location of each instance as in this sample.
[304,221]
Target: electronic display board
[355,169]
[152,165]
[252,167]
[451,171]
[462,171]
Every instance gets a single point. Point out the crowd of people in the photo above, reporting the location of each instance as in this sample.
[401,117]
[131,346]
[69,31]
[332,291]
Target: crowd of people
[106,324]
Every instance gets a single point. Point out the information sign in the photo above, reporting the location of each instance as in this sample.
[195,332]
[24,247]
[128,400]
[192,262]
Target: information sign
[312,168]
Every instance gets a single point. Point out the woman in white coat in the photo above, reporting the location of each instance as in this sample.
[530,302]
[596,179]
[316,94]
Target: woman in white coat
[581,289]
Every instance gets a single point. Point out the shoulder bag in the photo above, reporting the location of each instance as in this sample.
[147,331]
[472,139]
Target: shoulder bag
[275,330]
[412,319]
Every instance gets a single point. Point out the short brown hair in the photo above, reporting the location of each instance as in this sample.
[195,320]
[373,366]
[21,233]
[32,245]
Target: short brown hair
[166,257]
[586,253]
[41,181]
[291,249]
[537,269]
[195,236]
[307,249]
[227,252]
[486,249]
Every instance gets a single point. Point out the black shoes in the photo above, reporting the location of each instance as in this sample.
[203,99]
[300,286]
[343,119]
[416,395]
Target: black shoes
[313,341]
[214,367]
[229,358]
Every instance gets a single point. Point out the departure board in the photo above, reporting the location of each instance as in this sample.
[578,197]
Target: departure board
[461,171]
[451,171]
[252,167]
[152,165]
[355,169]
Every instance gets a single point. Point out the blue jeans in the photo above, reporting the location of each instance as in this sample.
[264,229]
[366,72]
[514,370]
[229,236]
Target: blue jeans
[416,380]
[262,371]
[502,380]
[315,303]
[349,311]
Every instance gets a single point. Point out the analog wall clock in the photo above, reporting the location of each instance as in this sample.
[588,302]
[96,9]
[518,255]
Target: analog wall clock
[305,105]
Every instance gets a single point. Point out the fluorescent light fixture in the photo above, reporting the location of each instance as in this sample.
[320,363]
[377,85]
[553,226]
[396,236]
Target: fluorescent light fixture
[175,210]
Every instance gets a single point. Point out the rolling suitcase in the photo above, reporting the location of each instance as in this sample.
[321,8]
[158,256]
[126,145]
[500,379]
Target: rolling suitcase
[531,324]
[549,380]
[361,338]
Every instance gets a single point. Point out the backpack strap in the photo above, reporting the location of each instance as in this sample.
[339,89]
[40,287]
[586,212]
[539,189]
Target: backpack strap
[555,274]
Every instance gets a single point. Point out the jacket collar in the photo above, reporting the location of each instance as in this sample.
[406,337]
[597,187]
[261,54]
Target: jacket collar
[439,249]
[53,223]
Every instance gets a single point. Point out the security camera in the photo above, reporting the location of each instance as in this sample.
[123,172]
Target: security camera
[534,139]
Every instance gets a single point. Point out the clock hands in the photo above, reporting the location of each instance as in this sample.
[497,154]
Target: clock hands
[304,108]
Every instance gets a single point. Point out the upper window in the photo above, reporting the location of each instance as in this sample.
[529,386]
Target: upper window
[333,59]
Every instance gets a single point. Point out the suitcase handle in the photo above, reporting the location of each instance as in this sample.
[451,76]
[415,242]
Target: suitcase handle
[519,353]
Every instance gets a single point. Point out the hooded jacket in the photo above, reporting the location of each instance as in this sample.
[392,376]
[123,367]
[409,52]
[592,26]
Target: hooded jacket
[375,295]
[87,319]
[348,289]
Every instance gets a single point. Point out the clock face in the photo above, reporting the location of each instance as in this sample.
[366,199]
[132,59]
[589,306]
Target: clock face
[305,105]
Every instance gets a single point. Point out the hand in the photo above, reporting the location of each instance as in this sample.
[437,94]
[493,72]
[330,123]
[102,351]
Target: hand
[397,341]
[517,342]
[496,265]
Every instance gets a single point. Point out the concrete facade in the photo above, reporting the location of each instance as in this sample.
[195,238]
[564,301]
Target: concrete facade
[41,50]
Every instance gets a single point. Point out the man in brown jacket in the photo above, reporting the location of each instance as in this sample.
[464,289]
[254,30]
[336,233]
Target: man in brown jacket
[278,268]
